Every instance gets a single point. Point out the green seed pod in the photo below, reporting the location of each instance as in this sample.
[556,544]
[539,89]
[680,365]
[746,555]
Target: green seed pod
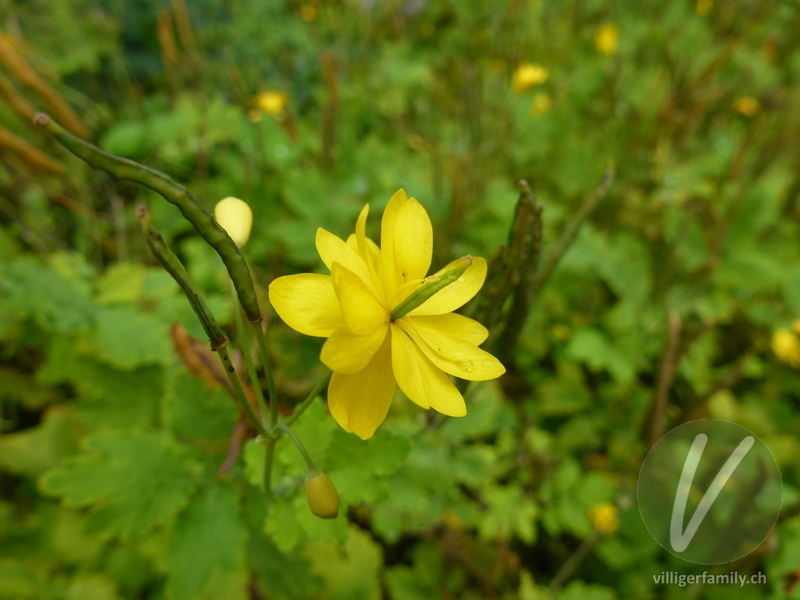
[323,499]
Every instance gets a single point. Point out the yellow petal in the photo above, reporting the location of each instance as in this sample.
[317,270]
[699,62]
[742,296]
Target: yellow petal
[364,252]
[450,354]
[361,311]
[346,352]
[307,303]
[460,327]
[374,251]
[459,293]
[333,249]
[406,243]
[420,380]
[359,402]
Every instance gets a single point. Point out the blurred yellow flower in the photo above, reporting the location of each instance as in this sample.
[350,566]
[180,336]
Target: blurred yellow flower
[702,7]
[786,346]
[371,352]
[604,517]
[541,103]
[235,217]
[606,39]
[747,106]
[308,12]
[528,75]
[272,103]
[796,326]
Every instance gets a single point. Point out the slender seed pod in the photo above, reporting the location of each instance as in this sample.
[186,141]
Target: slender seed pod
[192,210]
[173,266]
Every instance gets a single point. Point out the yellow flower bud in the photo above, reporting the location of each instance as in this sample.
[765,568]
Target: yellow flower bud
[235,217]
[604,517]
[323,499]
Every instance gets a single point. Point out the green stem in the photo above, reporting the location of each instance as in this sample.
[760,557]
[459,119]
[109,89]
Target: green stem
[300,408]
[192,210]
[230,370]
[269,458]
[273,394]
[299,444]
[248,358]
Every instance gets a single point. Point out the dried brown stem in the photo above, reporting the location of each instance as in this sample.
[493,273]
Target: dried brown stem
[666,375]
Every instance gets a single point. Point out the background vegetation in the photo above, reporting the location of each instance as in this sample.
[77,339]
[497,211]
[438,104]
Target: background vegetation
[675,301]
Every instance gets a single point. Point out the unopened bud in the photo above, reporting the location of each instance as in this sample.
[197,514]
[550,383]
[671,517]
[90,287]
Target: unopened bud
[235,217]
[323,499]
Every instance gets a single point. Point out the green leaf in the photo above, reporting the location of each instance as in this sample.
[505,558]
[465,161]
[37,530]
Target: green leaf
[206,556]
[92,586]
[578,590]
[121,283]
[133,481]
[358,468]
[350,570]
[194,410]
[510,513]
[18,581]
[286,576]
[283,526]
[420,582]
[589,345]
[32,451]
[108,397]
[128,338]
[54,301]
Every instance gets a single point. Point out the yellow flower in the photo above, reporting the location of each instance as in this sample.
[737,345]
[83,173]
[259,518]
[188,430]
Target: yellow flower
[747,106]
[701,7]
[604,517]
[786,347]
[606,39]
[235,217]
[272,103]
[370,353]
[528,75]
[308,12]
[541,103]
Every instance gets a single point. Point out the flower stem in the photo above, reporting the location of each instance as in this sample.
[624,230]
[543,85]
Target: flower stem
[230,370]
[251,367]
[299,444]
[300,408]
[273,394]
[269,457]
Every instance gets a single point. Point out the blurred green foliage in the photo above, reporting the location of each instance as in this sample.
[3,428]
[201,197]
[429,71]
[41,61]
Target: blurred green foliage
[110,450]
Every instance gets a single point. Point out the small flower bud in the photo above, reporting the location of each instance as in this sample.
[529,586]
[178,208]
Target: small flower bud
[323,499]
[235,217]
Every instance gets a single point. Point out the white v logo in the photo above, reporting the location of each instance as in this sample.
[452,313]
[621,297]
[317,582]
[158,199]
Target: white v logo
[678,539]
